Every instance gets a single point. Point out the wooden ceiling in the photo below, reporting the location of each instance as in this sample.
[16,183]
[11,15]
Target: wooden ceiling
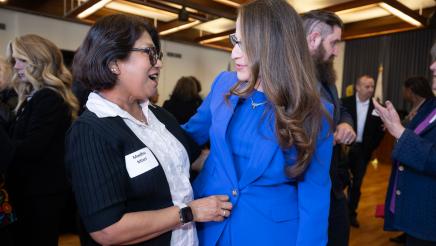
[204,11]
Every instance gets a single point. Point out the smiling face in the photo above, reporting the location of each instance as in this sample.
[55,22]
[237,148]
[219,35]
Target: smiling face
[137,78]
[239,57]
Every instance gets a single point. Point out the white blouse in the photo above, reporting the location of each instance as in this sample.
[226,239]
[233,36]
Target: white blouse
[168,150]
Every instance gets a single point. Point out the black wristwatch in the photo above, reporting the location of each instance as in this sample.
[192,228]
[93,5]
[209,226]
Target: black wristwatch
[185,214]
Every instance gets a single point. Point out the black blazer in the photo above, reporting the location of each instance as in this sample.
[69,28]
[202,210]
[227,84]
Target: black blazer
[96,150]
[6,150]
[338,171]
[373,130]
[37,137]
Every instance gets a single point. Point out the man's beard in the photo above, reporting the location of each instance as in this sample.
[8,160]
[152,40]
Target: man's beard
[325,73]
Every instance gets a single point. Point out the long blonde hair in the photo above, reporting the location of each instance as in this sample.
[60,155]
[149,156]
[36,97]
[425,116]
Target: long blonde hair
[45,69]
[274,43]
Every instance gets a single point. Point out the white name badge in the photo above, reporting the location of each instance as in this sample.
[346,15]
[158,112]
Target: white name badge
[140,161]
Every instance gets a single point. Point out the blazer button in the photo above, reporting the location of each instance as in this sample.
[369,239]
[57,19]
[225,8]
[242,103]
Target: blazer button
[234,193]
[398,192]
[401,168]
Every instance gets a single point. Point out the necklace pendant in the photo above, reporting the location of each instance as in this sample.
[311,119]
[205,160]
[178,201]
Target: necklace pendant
[255,105]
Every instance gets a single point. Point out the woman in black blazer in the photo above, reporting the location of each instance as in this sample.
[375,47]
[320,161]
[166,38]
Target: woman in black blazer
[129,160]
[46,106]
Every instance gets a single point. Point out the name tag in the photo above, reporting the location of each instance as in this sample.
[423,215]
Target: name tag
[374,113]
[140,161]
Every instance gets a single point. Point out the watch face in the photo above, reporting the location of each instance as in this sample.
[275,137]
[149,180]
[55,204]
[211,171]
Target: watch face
[186,215]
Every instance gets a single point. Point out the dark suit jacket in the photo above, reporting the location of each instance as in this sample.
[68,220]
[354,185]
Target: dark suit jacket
[37,136]
[373,130]
[6,150]
[338,172]
[415,207]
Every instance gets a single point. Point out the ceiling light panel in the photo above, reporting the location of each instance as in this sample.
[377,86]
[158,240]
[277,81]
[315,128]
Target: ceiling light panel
[177,6]
[142,10]
[179,28]
[229,3]
[362,13]
[307,5]
[94,8]
[400,14]
[217,25]
[417,4]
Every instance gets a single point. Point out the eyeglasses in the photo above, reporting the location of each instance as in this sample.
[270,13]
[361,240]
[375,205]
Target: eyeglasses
[235,40]
[152,53]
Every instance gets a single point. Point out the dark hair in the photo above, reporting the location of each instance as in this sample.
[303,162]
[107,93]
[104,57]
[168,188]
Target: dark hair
[419,86]
[197,82]
[111,38]
[313,18]
[185,90]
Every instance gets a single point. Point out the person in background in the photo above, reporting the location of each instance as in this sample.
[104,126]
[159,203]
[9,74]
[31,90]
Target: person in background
[416,90]
[369,129]
[323,33]
[128,160]
[411,195]
[269,135]
[198,84]
[184,100]
[46,107]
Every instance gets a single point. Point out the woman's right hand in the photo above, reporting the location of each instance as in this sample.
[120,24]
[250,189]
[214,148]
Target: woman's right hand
[390,118]
[211,208]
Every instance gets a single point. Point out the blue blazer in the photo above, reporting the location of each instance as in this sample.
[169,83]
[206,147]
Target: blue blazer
[415,207]
[268,207]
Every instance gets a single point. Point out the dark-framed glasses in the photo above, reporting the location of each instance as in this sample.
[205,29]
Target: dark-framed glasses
[152,53]
[234,40]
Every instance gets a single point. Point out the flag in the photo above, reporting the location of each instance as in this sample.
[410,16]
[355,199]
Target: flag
[378,95]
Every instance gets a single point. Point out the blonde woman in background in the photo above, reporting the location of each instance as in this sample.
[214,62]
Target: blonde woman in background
[46,107]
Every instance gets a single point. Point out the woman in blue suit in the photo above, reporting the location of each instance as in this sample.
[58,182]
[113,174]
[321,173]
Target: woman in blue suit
[270,136]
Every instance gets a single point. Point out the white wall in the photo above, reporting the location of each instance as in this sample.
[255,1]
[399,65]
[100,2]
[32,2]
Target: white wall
[339,67]
[66,35]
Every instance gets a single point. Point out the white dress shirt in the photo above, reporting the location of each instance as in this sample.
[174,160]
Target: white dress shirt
[168,150]
[361,112]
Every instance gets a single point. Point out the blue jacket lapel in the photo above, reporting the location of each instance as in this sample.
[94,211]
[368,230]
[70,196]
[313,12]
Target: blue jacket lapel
[266,146]
[223,115]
